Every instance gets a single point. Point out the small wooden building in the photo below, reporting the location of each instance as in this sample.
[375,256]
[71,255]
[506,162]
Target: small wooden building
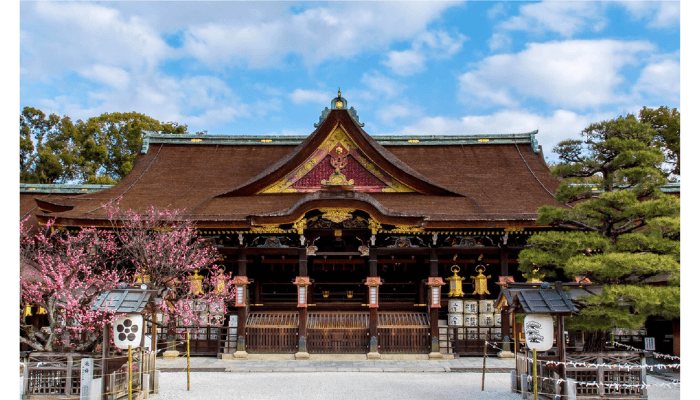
[339,208]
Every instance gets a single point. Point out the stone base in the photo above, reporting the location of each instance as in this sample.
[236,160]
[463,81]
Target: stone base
[240,355]
[301,355]
[170,354]
[506,354]
[434,355]
[373,355]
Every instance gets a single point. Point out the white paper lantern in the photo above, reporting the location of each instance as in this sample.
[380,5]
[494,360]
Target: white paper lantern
[127,330]
[539,331]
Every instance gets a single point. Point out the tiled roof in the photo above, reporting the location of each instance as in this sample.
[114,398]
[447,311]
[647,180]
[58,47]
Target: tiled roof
[124,300]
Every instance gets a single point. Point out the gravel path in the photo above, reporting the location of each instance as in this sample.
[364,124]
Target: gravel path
[349,385]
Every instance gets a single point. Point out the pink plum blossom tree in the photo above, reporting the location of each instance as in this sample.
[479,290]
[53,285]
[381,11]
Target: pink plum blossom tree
[165,251]
[62,275]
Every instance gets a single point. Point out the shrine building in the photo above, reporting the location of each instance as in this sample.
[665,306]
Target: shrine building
[340,241]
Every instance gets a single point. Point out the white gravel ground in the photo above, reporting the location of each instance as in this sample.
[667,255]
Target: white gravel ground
[349,385]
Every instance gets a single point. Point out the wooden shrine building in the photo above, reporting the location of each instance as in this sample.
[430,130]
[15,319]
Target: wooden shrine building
[365,224]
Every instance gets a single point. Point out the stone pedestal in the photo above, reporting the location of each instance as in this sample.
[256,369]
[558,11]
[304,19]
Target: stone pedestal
[505,354]
[374,355]
[434,355]
[240,355]
[301,355]
[170,354]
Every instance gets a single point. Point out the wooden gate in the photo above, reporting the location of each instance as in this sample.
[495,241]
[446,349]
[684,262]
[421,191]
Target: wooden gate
[403,332]
[272,332]
[338,332]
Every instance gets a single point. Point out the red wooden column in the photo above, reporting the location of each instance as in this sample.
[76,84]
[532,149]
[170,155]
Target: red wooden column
[241,304]
[434,330]
[303,313]
[433,311]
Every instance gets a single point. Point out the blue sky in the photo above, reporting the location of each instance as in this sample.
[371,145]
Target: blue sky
[407,67]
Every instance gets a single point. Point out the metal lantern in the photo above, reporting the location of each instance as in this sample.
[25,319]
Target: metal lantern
[302,283]
[455,283]
[241,282]
[435,283]
[373,283]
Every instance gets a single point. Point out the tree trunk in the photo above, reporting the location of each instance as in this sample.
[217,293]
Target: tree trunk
[594,341]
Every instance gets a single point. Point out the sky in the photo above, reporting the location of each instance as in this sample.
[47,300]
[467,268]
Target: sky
[408,68]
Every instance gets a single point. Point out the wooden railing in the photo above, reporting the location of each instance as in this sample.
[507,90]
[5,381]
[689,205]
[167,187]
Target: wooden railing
[338,332]
[403,332]
[603,380]
[468,341]
[56,373]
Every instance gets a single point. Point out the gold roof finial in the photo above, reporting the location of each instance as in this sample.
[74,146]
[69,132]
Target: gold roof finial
[338,92]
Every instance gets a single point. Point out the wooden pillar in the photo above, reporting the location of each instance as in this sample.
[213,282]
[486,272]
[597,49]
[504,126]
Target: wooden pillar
[303,313]
[373,261]
[373,312]
[433,311]
[242,311]
[561,339]
[504,262]
[505,323]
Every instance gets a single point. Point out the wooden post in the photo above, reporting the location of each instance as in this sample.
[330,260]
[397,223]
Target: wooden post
[534,372]
[188,361]
[242,314]
[504,262]
[483,369]
[128,375]
[434,332]
[105,354]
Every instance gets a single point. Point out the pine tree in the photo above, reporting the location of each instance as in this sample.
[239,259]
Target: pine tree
[616,228]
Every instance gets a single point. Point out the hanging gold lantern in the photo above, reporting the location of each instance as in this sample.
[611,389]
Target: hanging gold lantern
[480,281]
[40,310]
[27,310]
[455,282]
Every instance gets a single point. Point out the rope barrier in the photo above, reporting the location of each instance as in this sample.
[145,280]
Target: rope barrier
[655,354]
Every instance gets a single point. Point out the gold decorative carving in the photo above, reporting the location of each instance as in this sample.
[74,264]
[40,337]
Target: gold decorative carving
[300,226]
[336,215]
[267,229]
[406,229]
[337,179]
[374,226]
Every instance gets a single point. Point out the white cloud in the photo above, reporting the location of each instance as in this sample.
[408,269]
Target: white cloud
[563,17]
[429,44]
[499,41]
[68,36]
[112,76]
[577,73]
[405,63]
[338,31]
[299,96]
[496,11]
[553,128]
[381,85]
[393,111]
[659,14]
[662,79]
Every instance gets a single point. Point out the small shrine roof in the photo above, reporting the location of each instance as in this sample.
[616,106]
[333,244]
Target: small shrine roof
[543,300]
[131,300]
